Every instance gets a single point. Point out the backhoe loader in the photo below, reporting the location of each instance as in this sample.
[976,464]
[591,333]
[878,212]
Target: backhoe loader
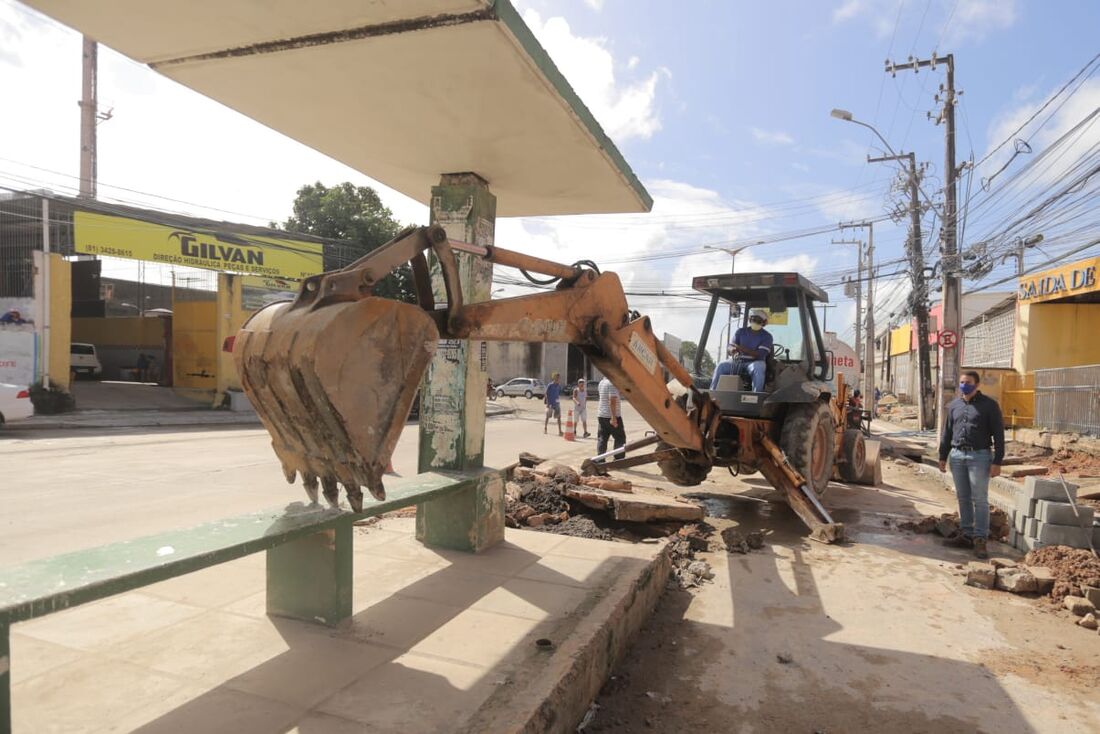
[333,373]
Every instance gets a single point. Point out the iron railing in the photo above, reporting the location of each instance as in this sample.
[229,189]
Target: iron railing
[1068,399]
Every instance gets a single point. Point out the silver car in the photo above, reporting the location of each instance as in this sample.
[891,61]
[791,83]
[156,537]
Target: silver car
[528,387]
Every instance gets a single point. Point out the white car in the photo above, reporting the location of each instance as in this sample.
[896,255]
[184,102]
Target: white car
[84,360]
[15,403]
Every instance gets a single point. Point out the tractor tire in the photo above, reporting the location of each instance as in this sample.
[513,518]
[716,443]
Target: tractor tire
[680,471]
[855,455]
[808,438]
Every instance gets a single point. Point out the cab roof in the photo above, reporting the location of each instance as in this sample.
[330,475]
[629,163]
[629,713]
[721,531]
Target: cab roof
[752,288]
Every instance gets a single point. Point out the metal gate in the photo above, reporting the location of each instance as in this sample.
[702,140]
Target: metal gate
[1068,399]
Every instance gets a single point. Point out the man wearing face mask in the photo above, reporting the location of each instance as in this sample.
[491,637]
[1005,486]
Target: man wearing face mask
[973,423]
[749,349]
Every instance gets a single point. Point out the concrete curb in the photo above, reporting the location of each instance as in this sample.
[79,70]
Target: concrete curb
[170,419]
[560,694]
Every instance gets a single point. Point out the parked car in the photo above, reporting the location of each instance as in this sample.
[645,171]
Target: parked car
[15,403]
[528,387]
[83,360]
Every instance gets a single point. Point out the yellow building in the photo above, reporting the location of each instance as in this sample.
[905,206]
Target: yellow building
[1057,318]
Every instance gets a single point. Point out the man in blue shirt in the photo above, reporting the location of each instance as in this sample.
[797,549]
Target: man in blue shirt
[553,406]
[750,348]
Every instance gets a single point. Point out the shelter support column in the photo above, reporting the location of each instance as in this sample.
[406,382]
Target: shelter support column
[452,395]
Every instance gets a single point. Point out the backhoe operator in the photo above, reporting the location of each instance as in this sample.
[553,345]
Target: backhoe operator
[749,349]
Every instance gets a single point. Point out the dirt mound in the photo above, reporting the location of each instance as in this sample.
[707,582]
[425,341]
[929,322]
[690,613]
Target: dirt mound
[545,499]
[578,526]
[1072,568]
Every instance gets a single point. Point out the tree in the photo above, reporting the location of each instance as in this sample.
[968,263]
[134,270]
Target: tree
[687,352]
[357,216]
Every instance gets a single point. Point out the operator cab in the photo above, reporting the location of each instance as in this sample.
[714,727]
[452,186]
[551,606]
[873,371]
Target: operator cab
[798,363]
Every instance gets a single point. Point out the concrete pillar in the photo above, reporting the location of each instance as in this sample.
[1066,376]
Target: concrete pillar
[452,396]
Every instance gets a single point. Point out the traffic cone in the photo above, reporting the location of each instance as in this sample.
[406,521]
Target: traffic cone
[569,434]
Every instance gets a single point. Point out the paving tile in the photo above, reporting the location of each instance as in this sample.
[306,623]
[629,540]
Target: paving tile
[532,600]
[214,587]
[589,548]
[208,649]
[457,588]
[408,548]
[82,695]
[397,621]
[413,695]
[30,656]
[503,559]
[480,638]
[589,572]
[315,664]
[368,536]
[103,624]
[532,540]
[216,711]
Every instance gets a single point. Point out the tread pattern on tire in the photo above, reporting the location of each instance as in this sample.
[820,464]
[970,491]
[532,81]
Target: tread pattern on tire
[851,470]
[796,437]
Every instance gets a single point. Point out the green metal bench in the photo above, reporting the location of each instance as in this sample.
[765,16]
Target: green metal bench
[309,555]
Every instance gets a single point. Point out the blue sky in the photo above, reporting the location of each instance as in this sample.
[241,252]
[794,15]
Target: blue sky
[722,108]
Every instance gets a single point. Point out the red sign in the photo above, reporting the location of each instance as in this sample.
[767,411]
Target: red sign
[948,339]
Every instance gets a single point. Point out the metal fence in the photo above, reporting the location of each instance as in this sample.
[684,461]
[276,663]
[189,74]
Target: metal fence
[1068,399]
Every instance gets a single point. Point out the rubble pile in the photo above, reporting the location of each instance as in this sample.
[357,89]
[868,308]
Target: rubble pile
[686,570]
[1067,575]
[1073,568]
[947,524]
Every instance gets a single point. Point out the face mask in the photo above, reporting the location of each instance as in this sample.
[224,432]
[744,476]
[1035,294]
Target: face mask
[966,388]
[755,326]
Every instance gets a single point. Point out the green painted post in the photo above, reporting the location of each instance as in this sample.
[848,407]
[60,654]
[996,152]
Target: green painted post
[310,578]
[452,396]
[5,678]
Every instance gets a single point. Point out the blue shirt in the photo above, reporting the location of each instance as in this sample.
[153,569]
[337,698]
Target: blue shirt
[553,392]
[761,341]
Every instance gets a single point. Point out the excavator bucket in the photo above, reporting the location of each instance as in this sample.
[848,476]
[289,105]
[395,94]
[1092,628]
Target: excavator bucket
[333,385]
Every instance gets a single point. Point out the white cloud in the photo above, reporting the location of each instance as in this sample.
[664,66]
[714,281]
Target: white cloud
[1083,103]
[848,9]
[772,137]
[596,5]
[624,110]
[956,20]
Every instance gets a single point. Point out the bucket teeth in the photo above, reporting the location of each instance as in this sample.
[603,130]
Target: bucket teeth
[355,498]
[333,385]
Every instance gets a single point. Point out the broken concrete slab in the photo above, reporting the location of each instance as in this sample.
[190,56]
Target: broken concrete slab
[1044,579]
[558,471]
[637,506]
[608,484]
[1088,621]
[1078,605]
[981,575]
[1092,593]
[1016,580]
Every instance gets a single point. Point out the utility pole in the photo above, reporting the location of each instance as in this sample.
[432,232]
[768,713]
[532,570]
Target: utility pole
[858,288]
[915,252]
[868,355]
[950,321]
[88,119]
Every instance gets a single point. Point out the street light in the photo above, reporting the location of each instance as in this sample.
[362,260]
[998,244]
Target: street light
[846,116]
[732,252]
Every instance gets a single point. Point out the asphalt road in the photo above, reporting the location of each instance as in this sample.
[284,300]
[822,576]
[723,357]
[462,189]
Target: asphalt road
[66,490]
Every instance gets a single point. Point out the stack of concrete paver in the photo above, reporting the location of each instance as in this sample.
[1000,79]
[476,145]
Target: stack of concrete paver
[1047,514]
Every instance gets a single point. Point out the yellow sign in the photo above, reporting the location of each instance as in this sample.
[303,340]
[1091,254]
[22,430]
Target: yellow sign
[1068,280]
[101,234]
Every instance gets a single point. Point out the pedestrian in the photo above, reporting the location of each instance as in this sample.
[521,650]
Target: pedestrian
[580,406]
[749,351]
[552,400]
[609,414]
[972,423]
[13,316]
